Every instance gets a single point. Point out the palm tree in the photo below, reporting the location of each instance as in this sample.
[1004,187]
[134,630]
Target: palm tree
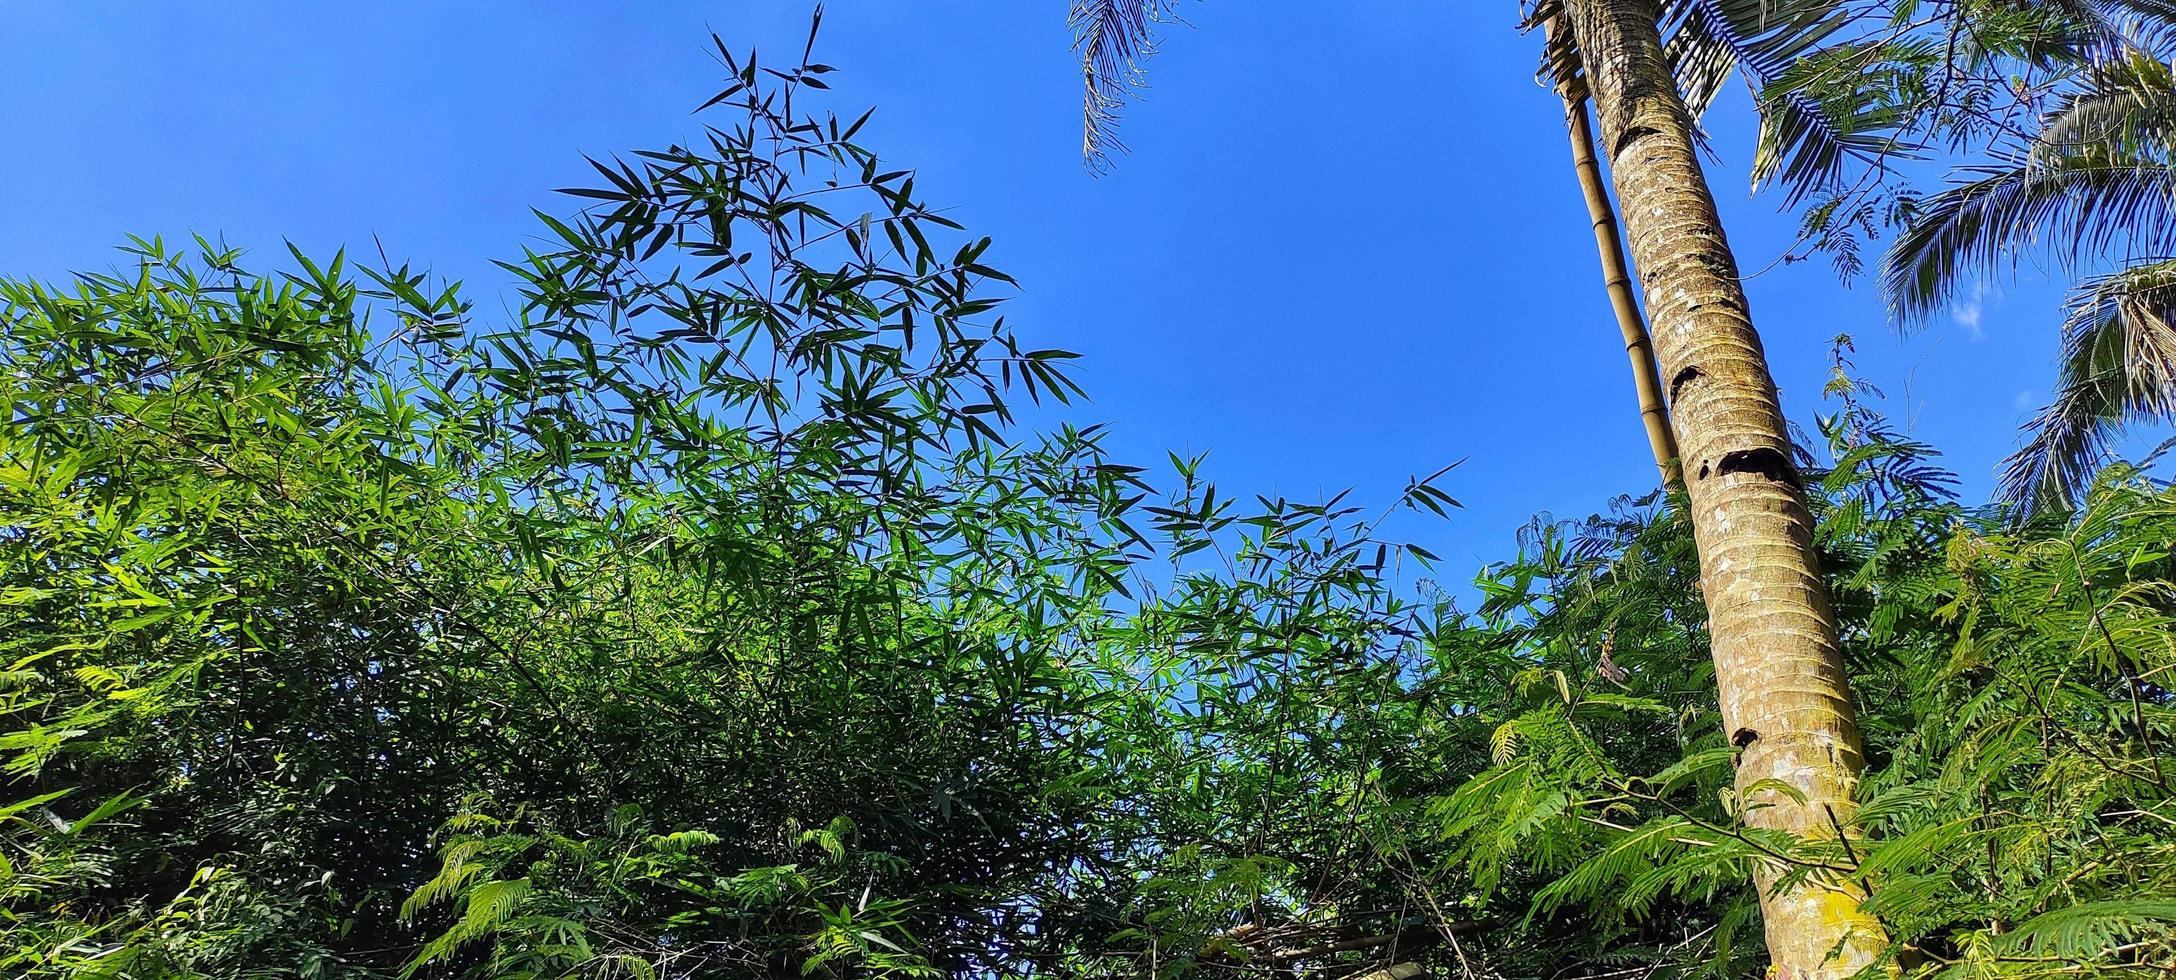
[1779,662]
[1707,42]
[2096,183]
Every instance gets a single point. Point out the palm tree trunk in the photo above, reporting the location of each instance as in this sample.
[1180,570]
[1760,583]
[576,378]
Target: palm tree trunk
[1778,663]
[1616,276]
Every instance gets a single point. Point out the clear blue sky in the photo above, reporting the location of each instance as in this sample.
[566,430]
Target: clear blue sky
[1346,249]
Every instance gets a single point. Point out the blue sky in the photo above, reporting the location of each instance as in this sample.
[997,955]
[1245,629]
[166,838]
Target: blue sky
[1346,248]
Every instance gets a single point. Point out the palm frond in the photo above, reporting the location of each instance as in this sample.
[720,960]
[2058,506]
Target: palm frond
[2150,24]
[2084,206]
[1845,103]
[1560,65]
[1707,40]
[2119,364]
[2106,29]
[2128,108]
[1805,140]
[1114,39]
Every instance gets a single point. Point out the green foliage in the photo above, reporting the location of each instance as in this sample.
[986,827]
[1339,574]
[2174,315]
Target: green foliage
[2017,809]
[344,651]
[713,616]
[546,904]
[722,524]
[2053,120]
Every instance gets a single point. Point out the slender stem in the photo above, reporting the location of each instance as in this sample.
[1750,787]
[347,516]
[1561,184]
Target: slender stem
[1616,272]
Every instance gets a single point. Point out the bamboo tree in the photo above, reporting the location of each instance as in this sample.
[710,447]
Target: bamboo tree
[1609,245]
[1779,664]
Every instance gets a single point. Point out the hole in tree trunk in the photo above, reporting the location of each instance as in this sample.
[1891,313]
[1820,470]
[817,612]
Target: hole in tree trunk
[1764,461]
[1683,378]
[1744,737]
[1630,136]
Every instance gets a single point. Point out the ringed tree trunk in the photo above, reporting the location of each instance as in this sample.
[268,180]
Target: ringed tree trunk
[1609,245]
[1778,662]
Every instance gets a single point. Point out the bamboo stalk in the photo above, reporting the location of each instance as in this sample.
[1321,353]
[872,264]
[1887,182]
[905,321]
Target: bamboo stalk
[1616,272]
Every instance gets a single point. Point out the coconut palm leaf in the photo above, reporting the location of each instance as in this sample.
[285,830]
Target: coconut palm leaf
[1840,82]
[1845,105]
[2119,365]
[1805,141]
[2081,207]
[1710,41]
[2097,184]
[1707,40]
[1114,39]
[2129,109]
[2108,28]
[1560,66]
[2150,24]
